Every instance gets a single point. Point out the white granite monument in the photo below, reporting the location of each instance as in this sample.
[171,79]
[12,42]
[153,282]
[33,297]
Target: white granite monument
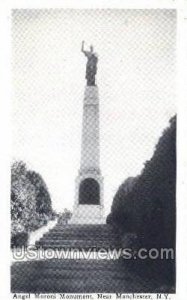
[88,206]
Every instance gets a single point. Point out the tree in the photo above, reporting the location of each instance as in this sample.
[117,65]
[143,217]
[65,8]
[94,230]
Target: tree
[149,208]
[30,201]
[23,198]
[150,200]
[43,199]
[122,206]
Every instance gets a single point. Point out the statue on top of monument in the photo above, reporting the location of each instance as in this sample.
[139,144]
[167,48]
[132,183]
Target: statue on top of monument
[91,66]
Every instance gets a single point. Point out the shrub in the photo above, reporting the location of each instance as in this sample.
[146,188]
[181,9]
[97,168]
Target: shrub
[65,216]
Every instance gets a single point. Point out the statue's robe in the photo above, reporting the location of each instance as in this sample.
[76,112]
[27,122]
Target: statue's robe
[91,68]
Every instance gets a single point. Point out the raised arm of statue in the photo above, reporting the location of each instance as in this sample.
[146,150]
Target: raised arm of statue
[91,65]
[86,53]
[82,48]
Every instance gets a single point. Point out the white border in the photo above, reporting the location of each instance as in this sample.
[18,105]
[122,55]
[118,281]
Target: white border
[95,4]
[182,154]
[5,150]
[5,127]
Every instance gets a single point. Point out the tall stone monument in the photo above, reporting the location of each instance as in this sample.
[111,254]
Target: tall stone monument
[88,206]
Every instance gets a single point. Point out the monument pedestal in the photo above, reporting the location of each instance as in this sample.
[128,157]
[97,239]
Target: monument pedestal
[88,214]
[88,207]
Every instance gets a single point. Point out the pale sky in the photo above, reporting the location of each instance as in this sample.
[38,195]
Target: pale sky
[136,81]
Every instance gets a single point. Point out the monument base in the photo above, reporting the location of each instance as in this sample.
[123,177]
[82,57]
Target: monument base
[88,214]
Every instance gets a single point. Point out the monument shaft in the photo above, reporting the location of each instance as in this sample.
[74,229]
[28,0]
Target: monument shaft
[90,130]
[88,206]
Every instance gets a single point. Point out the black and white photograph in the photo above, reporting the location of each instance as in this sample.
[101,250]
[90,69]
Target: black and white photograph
[93,170]
[93,174]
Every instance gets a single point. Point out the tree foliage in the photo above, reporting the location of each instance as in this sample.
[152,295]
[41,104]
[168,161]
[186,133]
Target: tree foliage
[148,207]
[30,200]
[147,211]
[43,200]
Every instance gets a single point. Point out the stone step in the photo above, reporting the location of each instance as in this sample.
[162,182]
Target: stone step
[73,276]
[74,237]
[71,264]
[74,243]
[96,226]
[78,246]
[83,238]
[51,238]
[69,274]
[94,236]
[78,242]
[80,285]
[81,233]
[85,228]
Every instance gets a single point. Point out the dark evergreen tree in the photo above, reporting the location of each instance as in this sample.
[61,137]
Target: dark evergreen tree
[149,208]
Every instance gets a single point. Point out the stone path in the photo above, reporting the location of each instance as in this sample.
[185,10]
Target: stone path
[37,234]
